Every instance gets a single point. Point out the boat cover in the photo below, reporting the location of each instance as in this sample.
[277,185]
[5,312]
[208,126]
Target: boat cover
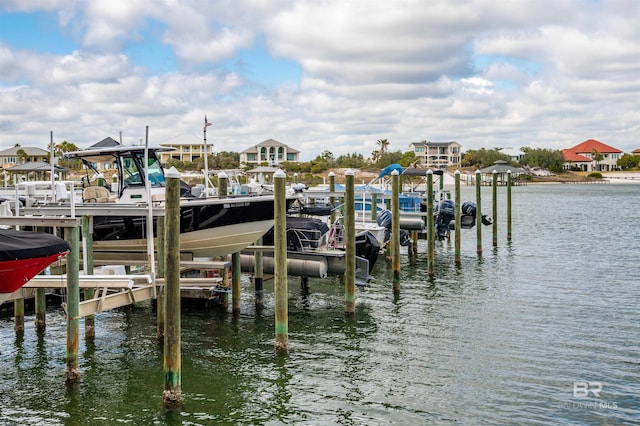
[16,245]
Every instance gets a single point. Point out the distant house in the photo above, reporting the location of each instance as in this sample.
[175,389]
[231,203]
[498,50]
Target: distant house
[269,151]
[516,154]
[587,150]
[10,157]
[188,148]
[107,142]
[635,151]
[437,155]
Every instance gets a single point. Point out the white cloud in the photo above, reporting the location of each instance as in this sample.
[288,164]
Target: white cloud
[548,76]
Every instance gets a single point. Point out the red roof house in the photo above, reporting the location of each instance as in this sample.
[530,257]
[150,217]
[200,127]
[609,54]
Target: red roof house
[577,155]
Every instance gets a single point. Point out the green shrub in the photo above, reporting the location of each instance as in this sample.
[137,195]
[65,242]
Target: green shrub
[595,175]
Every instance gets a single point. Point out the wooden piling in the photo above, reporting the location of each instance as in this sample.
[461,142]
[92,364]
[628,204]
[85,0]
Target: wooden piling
[332,199]
[223,183]
[87,247]
[172,395]
[235,282]
[374,206]
[478,212]
[258,276]
[280,264]
[431,237]
[494,198]
[161,273]
[508,205]
[395,230]
[18,314]
[350,242]
[71,235]
[458,219]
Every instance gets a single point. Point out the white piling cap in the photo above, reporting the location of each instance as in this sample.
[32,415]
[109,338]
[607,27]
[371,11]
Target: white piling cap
[349,172]
[457,172]
[478,172]
[394,173]
[494,171]
[279,174]
[331,174]
[429,172]
[172,173]
[508,172]
[223,175]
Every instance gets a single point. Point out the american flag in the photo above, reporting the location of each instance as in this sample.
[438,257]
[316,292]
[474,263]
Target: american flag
[206,123]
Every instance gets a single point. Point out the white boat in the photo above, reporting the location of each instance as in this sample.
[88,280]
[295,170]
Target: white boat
[210,226]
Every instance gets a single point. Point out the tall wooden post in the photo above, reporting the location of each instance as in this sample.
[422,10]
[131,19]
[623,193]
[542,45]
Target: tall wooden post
[478,212]
[258,276]
[431,237]
[374,206]
[350,242]
[281,291]
[18,314]
[87,247]
[494,188]
[172,395]
[508,205]
[395,230]
[161,273]
[72,372]
[235,283]
[332,199]
[458,219]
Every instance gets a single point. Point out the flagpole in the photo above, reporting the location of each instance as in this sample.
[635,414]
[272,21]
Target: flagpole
[206,159]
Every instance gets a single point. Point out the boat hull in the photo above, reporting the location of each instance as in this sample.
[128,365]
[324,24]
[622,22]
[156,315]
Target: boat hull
[16,273]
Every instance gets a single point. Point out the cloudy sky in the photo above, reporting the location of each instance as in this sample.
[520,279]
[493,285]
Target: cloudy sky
[331,75]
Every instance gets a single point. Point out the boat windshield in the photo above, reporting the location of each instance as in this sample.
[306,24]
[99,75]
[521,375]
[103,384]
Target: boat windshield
[133,170]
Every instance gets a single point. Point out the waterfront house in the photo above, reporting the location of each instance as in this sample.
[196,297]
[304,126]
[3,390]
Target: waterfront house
[602,157]
[22,154]
[437,155]
[269,151]
[187,148]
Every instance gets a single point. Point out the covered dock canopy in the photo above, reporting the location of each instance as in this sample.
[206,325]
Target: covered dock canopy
[502,168]
[37,169]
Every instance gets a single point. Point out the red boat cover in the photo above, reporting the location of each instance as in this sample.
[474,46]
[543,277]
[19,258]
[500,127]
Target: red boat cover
[17,245]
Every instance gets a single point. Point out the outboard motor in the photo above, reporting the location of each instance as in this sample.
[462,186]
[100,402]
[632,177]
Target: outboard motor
[444,213]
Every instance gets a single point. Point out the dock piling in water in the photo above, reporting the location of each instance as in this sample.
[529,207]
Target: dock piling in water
[172,395]
[161,273]
[458,219]
[350,241]
[87,250]
[431,237]
[478,212]
[280,287]
[73,304]
[494,198]
[258,276]
[395,230]
[508,205]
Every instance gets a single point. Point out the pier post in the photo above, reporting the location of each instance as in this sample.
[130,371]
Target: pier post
[73,304]
[458,219]
[281,291]
[395,230]
[160,296]
[374,206]
[332,199]
[223,183]
[41,309]
[235,282]
[258,276]
[431,234]
[478,212]
[18,313]
[494,198]
[508,205]
[350,242]
[172,395]
[89,293]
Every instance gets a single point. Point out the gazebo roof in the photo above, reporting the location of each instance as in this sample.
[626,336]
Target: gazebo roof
[36,166]
[501,166]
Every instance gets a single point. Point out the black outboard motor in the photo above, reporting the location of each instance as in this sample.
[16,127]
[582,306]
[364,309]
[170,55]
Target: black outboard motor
[444,213]
[367,247]
[384,218]
[468,218]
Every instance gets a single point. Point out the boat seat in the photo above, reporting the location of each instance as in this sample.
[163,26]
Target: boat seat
[96,194]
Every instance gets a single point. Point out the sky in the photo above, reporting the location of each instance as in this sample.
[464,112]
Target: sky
[320,75]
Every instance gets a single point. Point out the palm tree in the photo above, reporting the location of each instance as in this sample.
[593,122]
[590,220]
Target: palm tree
[597,157]
[22,156]
[383,144]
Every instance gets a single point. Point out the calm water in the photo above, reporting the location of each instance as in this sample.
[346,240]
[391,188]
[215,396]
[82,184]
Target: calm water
[508,338]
